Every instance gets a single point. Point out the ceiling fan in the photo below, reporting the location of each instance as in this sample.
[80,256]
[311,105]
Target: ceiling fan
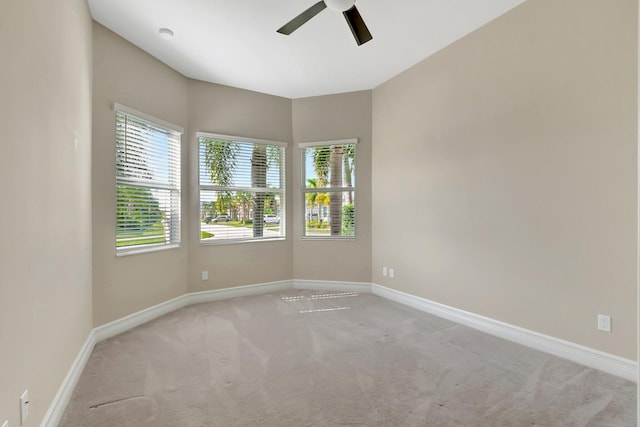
[347,7]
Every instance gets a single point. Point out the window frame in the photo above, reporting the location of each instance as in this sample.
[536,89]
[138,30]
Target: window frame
[174,150]
[303,146]
[282,191]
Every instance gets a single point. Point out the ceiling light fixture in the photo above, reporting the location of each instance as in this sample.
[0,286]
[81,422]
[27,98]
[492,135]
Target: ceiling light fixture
[165,33]
[339,5]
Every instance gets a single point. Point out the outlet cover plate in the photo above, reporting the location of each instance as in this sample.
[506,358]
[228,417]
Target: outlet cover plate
[604,323]
[205,275]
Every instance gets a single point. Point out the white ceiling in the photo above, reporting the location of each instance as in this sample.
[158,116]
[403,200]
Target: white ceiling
[234,42]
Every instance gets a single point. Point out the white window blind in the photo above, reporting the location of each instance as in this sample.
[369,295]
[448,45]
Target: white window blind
[147,182]
[242,188]
[329,188]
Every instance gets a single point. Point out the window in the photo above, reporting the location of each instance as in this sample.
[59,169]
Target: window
[329,188]
[242,189]
[147,182]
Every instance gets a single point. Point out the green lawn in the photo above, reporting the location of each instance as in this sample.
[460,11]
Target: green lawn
[275,227]
[318,231]
[154,234]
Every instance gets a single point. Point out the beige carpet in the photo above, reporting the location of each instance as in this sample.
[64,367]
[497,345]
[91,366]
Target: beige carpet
[304,358]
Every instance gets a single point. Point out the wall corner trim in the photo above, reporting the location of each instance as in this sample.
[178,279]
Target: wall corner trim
[609,363]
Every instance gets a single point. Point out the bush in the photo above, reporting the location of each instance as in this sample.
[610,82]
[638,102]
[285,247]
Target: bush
[348,220]
[314,224]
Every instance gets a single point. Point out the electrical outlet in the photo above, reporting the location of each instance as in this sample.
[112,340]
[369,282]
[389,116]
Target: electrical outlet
[205,275]
[384,271]
[24,407]
[391,273]
[604,323]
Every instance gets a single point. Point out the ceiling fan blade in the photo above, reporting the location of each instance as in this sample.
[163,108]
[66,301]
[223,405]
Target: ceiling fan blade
[357,25]
[297,22]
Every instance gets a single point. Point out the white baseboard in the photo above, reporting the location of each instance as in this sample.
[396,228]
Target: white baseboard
[126,323]
[111,329]
[609,363]
[324,285]
[615,365]
[141,317]
[238,291]
[62,397]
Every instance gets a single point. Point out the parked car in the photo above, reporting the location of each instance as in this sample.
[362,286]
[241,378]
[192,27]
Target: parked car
[222,218]
[271,219]
[208,219]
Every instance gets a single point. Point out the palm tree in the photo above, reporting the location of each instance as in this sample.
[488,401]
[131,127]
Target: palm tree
[321,164]
[243,199]
[322,200]
[220,159]
[328,160]
[311,197]
[349,159]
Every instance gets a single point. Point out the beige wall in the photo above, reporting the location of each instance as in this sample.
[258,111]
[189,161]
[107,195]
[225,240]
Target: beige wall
[230,111]
[504,172]
[127,284]
[45,220]
[332,117]
[126,75]
[123,285]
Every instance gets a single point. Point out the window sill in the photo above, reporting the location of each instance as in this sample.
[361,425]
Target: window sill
[330,238]
[146,250]
[240,241]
